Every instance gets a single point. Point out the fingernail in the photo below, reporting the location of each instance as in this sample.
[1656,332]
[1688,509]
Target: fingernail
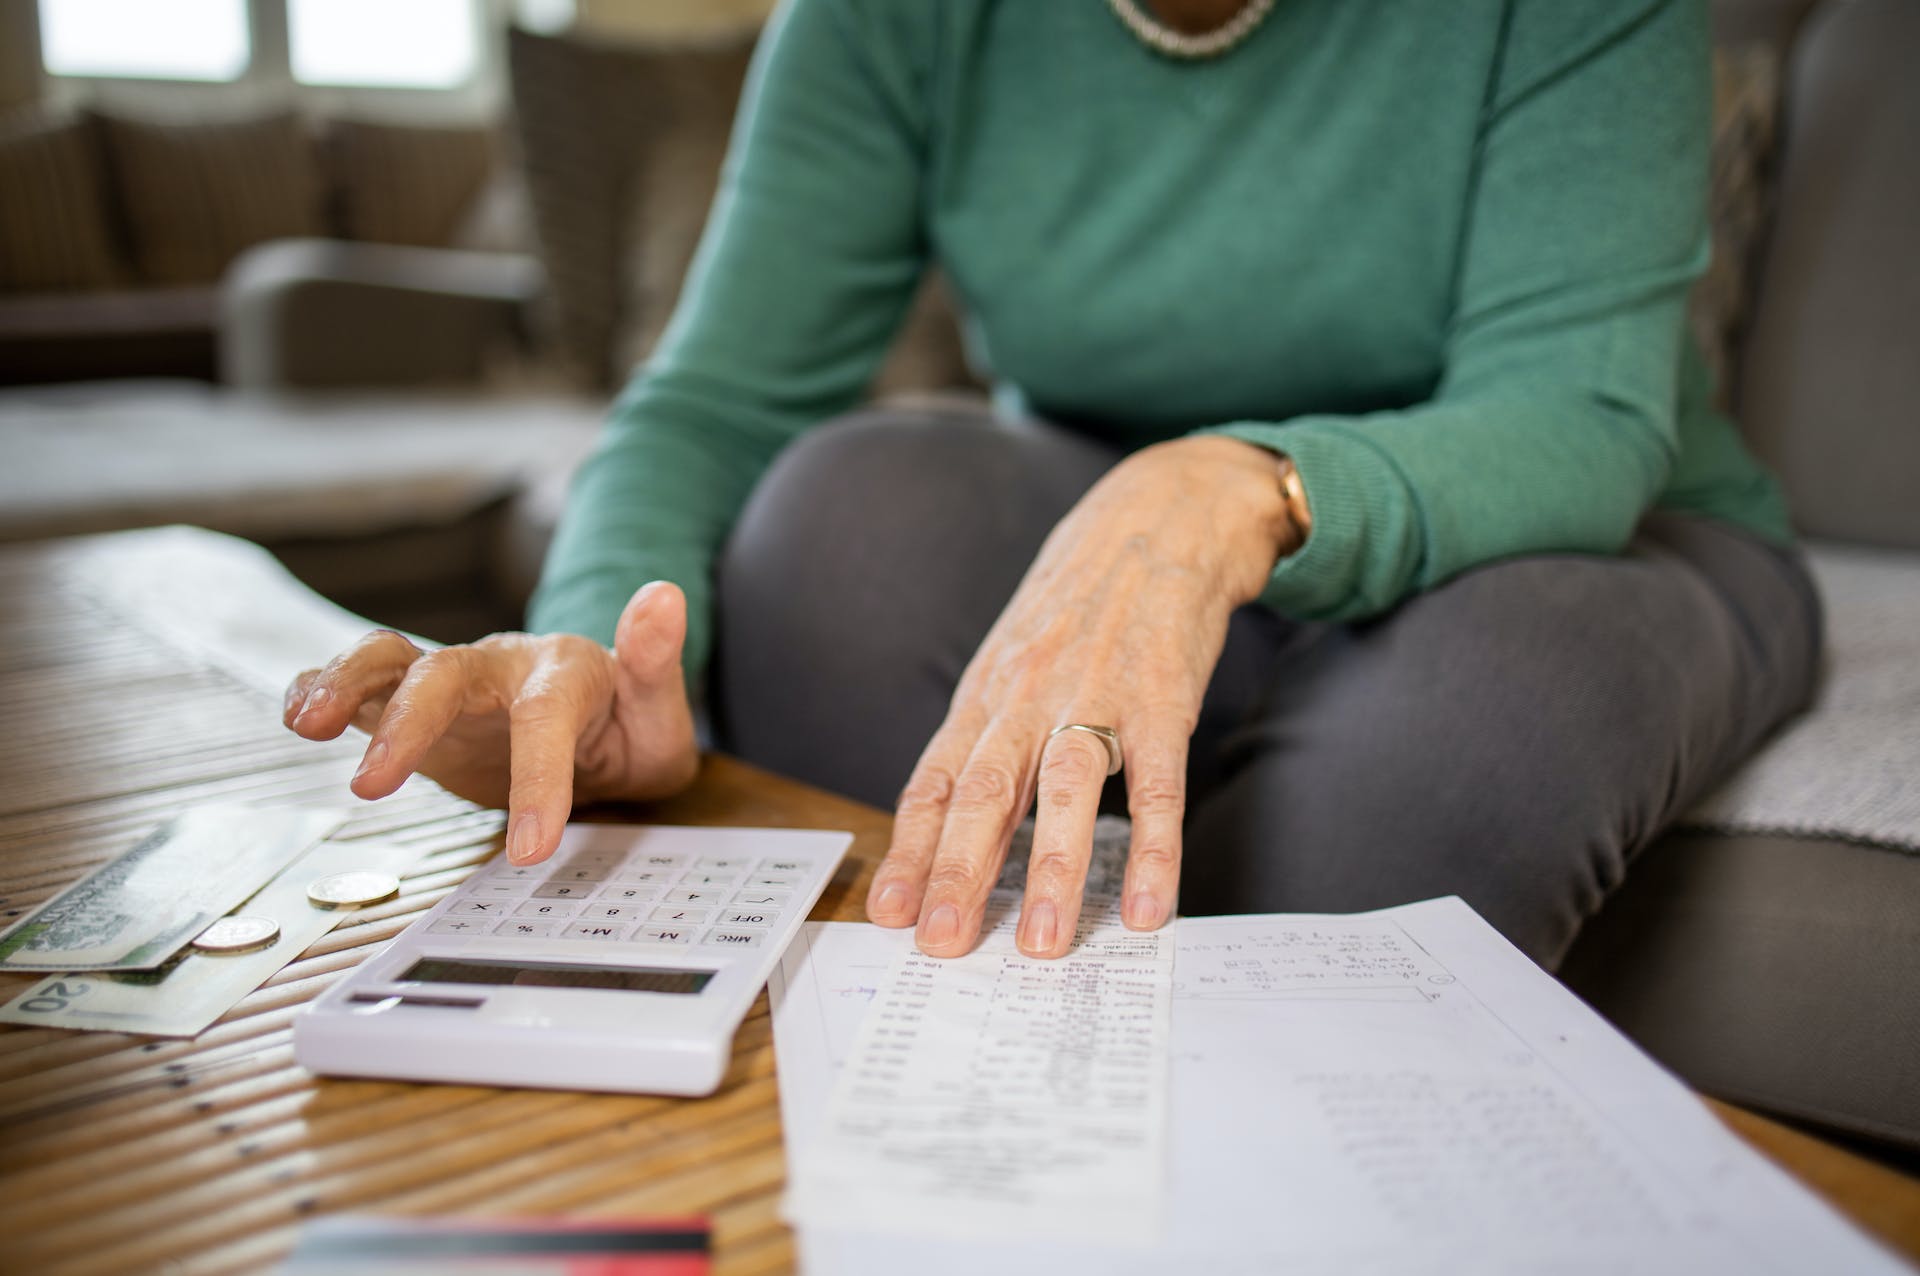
[1039,925]
[644,600]
[1143,910]
[315,699]
[376,756]
[523,839]
[943,927]
[891,900]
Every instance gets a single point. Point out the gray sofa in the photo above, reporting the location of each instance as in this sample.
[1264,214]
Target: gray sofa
[115,228]
[396,505]
[1784,972]
[1780,972]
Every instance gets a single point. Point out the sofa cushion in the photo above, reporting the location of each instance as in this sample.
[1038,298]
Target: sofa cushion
[1746,97]
[54,232]
[404,184]
[195,194]
[690,103]
[390,502]
[1775,972]
[586,114]
[623,147]
[1769,22]
[1830,386]
[1845,768]
[112,455]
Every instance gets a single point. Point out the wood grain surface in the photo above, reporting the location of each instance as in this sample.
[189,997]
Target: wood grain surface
[140,674]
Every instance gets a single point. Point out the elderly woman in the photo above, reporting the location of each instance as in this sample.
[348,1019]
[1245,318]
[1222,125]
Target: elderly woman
[1351,484]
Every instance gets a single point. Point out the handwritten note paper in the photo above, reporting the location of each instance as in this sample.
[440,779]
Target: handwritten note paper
[1004,1094]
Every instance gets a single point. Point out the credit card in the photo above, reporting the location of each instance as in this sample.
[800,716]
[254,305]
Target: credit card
[356,1245]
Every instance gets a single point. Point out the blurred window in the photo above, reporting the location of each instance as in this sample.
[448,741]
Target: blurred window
[546,16]
[413,44]
[145,39]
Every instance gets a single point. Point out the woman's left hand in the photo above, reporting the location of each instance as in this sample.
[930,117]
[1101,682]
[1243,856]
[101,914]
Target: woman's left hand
[1118,623]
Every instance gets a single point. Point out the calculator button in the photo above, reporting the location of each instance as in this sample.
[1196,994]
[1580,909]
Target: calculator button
[724,863]
[725,937]
[659,861]
[459,926]
[778,881]
[613,912]
[685,896]
[582,873]
[783,866]
[748,916]
[563,890]
[760,897]
[497,890]
[507,870]
[663,935]
[672,913]
[550,908]
[702,878]
[619,892]
[525,930]
[570,868]
[646,876]
[595,930]
[480,907]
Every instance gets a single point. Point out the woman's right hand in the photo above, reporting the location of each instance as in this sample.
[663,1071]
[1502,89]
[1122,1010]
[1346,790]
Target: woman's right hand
[524,721]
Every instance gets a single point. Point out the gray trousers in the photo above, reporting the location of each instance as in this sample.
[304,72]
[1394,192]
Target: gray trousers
[1513,736]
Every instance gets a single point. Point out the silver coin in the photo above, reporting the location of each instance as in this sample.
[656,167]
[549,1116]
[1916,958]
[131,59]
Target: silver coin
[350,890]
[237,935]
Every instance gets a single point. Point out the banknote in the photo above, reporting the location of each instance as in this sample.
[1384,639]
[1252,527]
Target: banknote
[189,993]
[141,908]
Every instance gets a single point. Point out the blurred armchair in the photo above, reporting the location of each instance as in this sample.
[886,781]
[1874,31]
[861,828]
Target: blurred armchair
[323,313]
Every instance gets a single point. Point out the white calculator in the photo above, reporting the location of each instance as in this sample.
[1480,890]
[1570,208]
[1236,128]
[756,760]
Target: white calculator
[625,962]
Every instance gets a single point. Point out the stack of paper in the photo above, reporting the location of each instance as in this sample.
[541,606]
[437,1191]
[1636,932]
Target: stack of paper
[1399,1091]
[1002,1095]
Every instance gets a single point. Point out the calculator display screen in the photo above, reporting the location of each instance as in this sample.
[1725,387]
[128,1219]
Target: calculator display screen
[454,970]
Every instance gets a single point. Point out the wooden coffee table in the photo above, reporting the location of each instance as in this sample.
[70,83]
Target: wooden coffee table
[128,1154]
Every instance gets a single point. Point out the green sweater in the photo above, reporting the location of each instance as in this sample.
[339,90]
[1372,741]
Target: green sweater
[1437,251]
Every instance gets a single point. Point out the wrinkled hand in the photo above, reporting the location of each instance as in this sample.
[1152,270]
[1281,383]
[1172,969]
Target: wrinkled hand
[524,721]
[1118,623]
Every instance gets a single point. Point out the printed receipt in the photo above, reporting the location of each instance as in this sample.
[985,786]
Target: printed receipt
[1004,1095]
[1399,1093]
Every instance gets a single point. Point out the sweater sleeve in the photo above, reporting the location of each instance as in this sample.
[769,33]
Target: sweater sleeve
[1553,425]
[810,256]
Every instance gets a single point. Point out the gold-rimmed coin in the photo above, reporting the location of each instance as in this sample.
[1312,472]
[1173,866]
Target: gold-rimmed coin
[351,890]
[237,935]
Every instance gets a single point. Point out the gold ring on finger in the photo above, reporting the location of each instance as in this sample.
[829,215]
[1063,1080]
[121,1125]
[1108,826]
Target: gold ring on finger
[1106,735]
